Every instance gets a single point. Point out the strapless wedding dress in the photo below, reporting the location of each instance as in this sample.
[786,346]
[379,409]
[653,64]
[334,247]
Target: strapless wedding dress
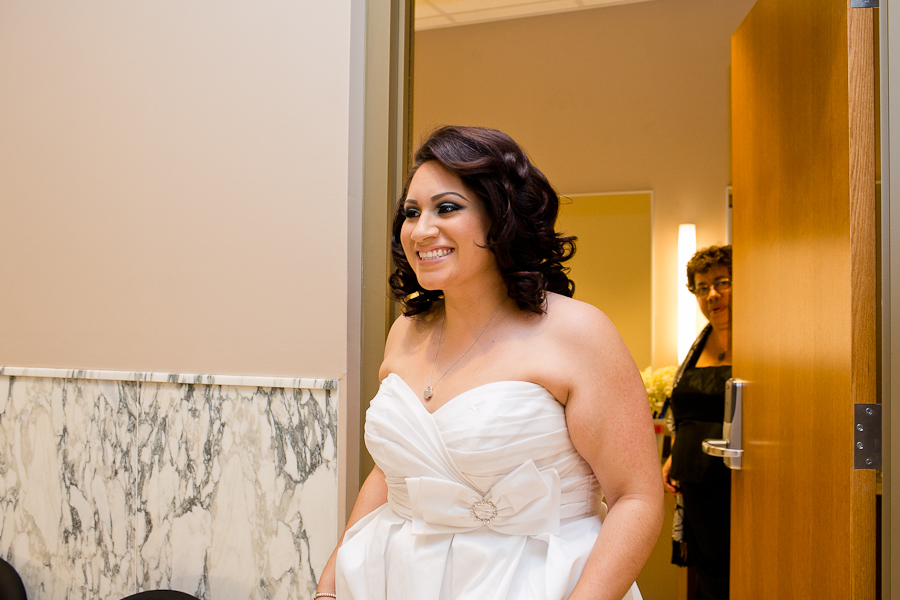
[487,500]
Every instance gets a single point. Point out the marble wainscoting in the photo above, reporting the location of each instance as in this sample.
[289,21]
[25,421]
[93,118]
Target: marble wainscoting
[113,483]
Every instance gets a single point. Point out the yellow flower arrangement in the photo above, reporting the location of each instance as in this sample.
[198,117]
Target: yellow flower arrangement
[658,384]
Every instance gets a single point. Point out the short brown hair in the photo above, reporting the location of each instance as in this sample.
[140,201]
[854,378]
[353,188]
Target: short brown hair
[705,259]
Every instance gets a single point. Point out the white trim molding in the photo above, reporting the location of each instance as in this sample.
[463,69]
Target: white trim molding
[178,378]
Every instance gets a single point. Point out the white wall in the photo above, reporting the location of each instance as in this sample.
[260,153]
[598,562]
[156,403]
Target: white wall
[174,185]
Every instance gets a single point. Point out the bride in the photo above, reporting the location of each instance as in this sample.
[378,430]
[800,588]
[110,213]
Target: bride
[505,405]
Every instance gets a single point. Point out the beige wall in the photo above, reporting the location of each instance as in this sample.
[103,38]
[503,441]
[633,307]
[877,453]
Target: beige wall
[613,263]
[174,185]
[628,97]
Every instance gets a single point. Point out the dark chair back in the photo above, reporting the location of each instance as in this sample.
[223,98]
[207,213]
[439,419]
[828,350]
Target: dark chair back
[11,587]
[160,595]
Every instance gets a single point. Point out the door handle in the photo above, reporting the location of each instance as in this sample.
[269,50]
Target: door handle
[729,448]
[720,448]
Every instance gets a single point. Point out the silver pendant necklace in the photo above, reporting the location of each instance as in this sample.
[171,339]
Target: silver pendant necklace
[723,352]
[429,391]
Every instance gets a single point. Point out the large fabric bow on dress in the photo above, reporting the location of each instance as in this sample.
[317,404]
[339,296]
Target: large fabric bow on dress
[525,502]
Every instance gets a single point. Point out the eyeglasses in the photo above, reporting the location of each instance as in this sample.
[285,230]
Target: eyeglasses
[702,290]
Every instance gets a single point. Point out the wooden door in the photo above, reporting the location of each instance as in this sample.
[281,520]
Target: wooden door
[803,520]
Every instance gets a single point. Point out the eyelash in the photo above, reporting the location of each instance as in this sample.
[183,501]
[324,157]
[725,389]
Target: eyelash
[442,209]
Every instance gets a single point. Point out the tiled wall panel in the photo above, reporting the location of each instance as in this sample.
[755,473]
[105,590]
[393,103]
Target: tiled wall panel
[109,487]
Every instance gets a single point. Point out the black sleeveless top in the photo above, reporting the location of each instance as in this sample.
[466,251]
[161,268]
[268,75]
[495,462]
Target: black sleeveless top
[698,408]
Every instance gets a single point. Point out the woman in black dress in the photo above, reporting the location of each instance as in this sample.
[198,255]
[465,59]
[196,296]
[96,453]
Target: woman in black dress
[698,406]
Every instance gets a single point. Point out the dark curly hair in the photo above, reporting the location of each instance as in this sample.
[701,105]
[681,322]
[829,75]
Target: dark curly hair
[705,259]
[521,204]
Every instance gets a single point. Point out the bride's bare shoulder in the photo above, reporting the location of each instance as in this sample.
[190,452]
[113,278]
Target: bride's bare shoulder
[572,339]
[574,319]
[587,348]
[405,335]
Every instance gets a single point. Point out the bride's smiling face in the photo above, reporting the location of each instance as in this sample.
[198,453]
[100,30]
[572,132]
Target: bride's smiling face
[445,230]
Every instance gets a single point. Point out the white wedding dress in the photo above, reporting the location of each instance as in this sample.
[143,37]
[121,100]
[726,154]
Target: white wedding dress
[487,500]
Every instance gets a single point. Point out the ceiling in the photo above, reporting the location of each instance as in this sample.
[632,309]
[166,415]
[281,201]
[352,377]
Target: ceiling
[432,14]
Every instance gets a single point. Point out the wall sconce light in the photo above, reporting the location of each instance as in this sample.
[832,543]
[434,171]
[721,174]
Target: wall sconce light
[687,305]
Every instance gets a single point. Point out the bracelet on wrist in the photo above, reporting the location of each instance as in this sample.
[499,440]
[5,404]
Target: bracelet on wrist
[324,595]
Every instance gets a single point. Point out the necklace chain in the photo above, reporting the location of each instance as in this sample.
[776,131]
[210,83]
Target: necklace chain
[723,351]
[429,391]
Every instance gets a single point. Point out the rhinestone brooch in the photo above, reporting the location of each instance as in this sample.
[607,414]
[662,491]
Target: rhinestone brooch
[484,511]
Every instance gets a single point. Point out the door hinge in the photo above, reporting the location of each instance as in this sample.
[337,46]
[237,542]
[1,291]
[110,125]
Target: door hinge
[866,436]
[863,3]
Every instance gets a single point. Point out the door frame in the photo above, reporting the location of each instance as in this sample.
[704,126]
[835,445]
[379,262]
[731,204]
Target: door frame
[380,94]
[889,310]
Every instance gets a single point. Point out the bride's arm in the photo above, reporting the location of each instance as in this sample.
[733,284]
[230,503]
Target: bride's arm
[610,425]
[372,494]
